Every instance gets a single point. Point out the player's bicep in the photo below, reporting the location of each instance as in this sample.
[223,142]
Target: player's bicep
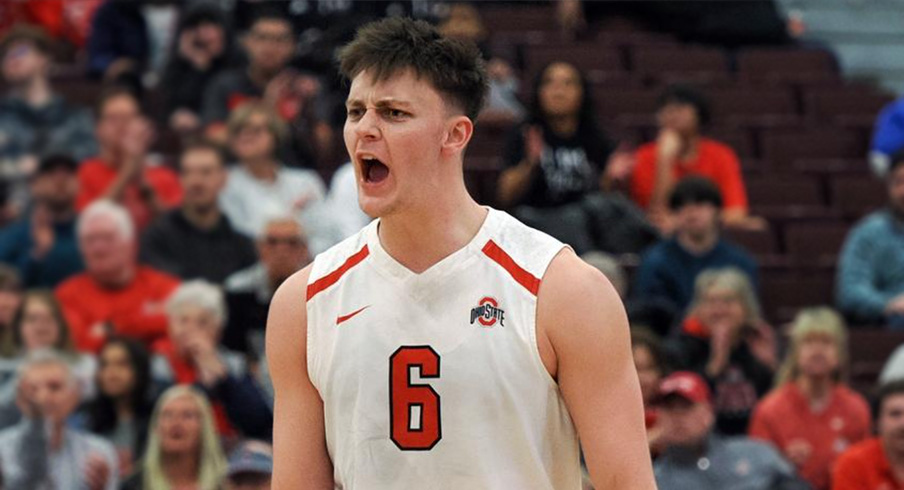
[596,374]
[300,455]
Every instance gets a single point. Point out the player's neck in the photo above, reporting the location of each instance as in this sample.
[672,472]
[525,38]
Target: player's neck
[419,238]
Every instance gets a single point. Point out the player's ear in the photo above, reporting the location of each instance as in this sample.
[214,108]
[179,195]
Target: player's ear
[458,134]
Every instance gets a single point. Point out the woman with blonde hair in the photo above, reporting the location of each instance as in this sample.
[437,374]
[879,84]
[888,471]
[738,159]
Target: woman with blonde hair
[726,340]
[183,450]
[811,416]
[261,185]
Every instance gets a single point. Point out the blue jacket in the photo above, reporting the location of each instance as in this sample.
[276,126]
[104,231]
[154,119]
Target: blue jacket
[871,266]
[668,271]
[63,259]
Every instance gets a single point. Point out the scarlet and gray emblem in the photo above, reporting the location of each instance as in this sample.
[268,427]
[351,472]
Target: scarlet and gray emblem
[487,313]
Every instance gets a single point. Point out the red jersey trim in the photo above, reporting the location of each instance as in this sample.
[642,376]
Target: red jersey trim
[333,277]
[521,276]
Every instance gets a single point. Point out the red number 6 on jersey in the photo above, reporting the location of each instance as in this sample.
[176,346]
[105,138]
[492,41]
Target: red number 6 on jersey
[414,422]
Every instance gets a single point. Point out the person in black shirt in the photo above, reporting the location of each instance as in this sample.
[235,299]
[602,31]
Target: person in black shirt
[557,166]
[197,241]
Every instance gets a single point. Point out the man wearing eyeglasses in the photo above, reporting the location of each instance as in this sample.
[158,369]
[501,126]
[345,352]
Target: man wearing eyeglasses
[283,249]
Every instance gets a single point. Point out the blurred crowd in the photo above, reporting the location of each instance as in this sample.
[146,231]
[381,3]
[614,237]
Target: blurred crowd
[148,219]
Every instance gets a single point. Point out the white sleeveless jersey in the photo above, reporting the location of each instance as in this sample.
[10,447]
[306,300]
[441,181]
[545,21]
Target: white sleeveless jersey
[434,380]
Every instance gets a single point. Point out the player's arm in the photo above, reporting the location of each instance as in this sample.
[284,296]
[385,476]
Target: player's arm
[589,350]
[300,459]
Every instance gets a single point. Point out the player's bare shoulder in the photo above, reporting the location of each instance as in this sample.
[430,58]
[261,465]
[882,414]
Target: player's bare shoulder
[287,320]
[576,301]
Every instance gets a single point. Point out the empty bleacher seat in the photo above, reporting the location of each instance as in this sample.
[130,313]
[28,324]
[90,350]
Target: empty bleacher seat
[782,64]
[783,147]
[856,196]
[783,294]
[815,242]
[844,107]
[655,61]
[758,242]
[771,106]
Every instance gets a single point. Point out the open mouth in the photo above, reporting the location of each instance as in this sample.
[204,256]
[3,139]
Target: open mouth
[374,170]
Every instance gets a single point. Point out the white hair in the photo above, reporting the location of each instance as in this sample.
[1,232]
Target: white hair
[272,216]
[201,294]
[48,357]
[108,209]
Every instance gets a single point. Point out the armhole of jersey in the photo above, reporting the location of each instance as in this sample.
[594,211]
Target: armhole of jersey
[311,364]
[534,331]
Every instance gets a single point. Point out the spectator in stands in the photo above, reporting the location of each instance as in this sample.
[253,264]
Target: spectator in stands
[679,151]
[202,51]
[811,416]
[193,355]
[557,164]
[649,360]
[463,22]
[115,294]
[725,339]
[10,299]
[296,97]
[119,44]
[894,367]
[198,240]
[283,250]
[42,451]
[870,283]
[42,244]
[34,120]
[183,449]
[250,467]
[38,325]
[888,137]
[261,185]
[877,462]
[121,411]
[122,172]
[697,459]
[668,270]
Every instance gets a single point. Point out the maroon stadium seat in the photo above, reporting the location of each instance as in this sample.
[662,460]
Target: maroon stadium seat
[842,107]
[783,294]
[775,106]
[815,242]
[654,61]
[758,242]
[587,57]
[784,190]
[869,349]
[632,104]
[518,18]
[782,147]
[857,196]
[771,64]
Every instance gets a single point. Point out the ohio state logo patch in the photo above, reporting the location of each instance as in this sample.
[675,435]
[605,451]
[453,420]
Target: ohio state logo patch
[487,313]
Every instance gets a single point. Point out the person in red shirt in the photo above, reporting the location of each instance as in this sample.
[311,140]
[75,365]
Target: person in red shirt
[877,463]
[122,171]
[812,417]
[679,151]
[115,294]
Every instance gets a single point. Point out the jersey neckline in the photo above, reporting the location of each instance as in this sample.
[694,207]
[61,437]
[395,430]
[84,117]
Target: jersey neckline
[388,264]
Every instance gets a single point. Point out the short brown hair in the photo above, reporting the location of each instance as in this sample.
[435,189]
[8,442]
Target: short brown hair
[388,46]
[114,91]
[203,144]
[26,33]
